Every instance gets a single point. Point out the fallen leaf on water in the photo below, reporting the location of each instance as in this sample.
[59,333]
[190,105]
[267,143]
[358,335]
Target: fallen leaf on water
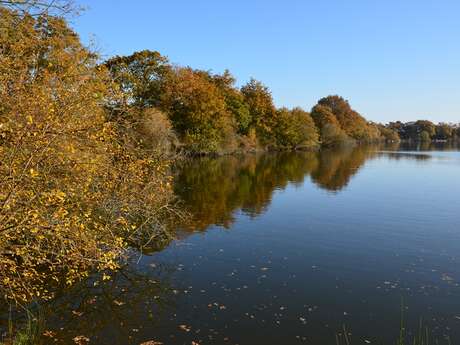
[50,334]
[446,277]
[152,342]
[81,340]
[185,328]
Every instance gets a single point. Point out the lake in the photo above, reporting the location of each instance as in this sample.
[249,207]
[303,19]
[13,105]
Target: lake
[292,248]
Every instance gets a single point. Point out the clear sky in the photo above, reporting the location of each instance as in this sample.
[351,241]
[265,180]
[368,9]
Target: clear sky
[392,59]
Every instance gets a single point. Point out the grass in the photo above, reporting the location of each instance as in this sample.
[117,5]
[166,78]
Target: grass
[29,334]
[422,337]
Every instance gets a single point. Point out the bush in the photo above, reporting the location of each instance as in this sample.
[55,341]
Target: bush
[295,128]
[152,130]
[198,111]
[74,190]
[333,136]
[425,136]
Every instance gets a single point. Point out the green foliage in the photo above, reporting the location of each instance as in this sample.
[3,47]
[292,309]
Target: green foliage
[295,128]
[426,126]
[140,76]
[373,133]
[198,111]
[413,130]
[425,136]
[240,110]
[262,110]
[28,334]
[332,135]
[210,115]
[423,130]
[444,131]
[234,100]
[388,133]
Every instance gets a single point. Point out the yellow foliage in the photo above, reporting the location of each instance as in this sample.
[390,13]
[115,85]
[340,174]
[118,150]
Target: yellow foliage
[68,175]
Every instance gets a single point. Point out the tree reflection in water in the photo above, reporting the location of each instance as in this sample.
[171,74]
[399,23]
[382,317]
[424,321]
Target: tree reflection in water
[135,296]
[213,189]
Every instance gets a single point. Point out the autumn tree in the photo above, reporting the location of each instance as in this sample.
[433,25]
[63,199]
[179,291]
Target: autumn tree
[329,127]
[350,120]
[323,115]
[198,111]
[388,133]
[413,130]
[75,188]
[334,136]
[234,100]
[295,128]
[141,77]
[426,126]
[425,136]
[444,131]
[262,110]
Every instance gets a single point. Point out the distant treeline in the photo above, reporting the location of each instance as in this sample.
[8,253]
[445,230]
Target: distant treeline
[208,113]
[423,130]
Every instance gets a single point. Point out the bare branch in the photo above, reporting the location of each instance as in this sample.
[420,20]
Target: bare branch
[39,7]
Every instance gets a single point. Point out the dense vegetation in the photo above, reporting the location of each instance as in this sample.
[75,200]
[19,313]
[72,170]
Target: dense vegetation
[210,114]
[423,130]
[77,186]
[85,145]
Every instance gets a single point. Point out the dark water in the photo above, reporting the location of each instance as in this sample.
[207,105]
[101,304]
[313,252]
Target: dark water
[290,248]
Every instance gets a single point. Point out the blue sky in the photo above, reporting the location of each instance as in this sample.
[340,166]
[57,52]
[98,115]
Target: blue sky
[392,59]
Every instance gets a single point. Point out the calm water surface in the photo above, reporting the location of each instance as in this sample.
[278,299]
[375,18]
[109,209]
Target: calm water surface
[290,248]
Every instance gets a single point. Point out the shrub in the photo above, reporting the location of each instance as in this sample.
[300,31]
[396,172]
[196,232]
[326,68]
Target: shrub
[425,136]
[332,135]
[295,128]
[198,111]
[74,190]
